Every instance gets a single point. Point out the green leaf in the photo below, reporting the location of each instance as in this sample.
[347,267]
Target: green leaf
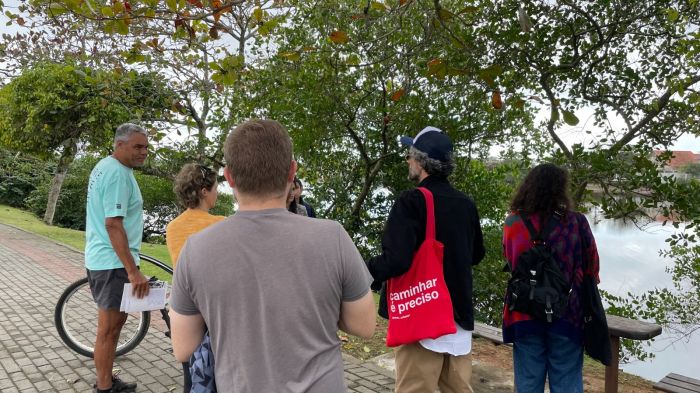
[290,55]
[258,14]
[490,73]
[555,114]
[56,10]
[117,7]
[376,5]
[229,78]
[672,14]
[230,62]
[110,27]
[72,4]
[445,14]
[135,58]
[268,26]
[122,27]
[569,117]
[107,11]
[172,5]
[469,9]
[353,60]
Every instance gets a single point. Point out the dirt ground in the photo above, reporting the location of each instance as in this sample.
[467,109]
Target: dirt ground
[500,357]
[493,364]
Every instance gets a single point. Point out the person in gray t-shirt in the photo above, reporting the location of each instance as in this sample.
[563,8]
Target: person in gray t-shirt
[272,287]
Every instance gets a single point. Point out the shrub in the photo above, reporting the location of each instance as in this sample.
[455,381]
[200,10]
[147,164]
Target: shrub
[20,174]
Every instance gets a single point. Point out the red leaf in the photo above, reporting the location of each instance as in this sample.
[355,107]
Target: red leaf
[339,37]
[398,94]
[496,100]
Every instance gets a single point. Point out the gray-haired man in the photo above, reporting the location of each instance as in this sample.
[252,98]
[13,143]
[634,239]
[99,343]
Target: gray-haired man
[444,362]
[114,227]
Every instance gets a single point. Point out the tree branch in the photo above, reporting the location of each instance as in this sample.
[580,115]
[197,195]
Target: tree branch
[662,102]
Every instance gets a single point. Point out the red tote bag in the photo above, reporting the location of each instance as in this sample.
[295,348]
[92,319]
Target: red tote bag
[418,301]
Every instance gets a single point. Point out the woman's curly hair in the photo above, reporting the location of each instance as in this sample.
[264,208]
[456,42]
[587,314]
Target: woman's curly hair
[190,182]
[544,190]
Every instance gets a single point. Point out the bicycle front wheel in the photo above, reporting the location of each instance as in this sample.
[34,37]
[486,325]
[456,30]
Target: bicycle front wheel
[76,321]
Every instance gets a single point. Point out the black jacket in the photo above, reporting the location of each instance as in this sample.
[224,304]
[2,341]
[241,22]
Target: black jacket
[456,226]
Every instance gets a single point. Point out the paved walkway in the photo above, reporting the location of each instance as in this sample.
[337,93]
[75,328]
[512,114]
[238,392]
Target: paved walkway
[34,271]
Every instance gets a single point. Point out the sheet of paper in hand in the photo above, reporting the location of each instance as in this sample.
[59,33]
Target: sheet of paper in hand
[154,301]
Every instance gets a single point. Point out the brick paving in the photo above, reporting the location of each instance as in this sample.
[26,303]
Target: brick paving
[34,271]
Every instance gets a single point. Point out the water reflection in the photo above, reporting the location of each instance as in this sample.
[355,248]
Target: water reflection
[630,262]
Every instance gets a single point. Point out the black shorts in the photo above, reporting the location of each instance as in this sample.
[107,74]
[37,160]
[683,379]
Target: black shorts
[107,287]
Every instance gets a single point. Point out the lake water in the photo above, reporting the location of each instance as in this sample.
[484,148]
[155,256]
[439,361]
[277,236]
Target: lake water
[630,262]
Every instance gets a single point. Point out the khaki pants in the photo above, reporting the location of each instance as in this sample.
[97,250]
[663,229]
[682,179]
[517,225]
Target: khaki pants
[419,370]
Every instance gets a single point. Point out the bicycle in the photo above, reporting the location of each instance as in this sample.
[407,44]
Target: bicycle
[75,315]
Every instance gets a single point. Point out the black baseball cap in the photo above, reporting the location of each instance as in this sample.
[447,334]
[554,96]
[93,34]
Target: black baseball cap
[431,141]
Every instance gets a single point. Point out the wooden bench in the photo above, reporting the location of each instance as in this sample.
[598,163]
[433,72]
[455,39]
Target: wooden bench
[674,383]
[625,328]
[619,327]
[488,332]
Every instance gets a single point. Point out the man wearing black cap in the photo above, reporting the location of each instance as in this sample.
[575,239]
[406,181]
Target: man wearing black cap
[444,362]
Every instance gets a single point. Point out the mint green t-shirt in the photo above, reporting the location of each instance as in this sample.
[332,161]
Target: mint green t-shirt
[112,192]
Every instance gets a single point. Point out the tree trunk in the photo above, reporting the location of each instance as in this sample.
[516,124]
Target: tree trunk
[64,162]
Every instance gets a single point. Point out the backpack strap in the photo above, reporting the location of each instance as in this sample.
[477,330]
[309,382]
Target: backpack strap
[430,213]
[544,232]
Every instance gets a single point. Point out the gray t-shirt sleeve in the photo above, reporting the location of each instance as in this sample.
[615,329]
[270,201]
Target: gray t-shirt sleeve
[181,297]
[356,278]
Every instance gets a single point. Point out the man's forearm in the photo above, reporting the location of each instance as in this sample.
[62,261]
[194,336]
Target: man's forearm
[120,243]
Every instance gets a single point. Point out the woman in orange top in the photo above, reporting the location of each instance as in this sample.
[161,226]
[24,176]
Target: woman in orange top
[196,189]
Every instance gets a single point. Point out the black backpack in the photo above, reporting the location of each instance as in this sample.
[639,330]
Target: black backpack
[537,286]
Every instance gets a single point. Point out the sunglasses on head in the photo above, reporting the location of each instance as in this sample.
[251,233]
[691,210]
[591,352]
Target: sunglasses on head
[204,170]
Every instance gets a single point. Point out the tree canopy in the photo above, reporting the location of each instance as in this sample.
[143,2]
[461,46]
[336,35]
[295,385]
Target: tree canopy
[53,109]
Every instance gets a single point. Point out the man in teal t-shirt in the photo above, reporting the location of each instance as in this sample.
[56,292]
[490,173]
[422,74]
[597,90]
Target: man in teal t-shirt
[114,227]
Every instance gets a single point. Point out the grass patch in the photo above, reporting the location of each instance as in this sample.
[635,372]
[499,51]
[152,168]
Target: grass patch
[29,222]
[76,239]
